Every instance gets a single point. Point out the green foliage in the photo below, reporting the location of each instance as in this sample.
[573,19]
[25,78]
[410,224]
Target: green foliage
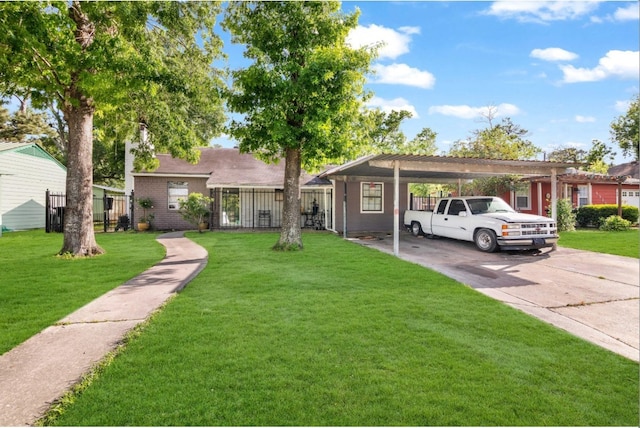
[125,62]
[503,141]
[146,204]
[598,159]
[343,335]
[23,126]
[625,129]
[300,98]
[566,218]
[195,208]
[594,215]
[615,223]
[305,86]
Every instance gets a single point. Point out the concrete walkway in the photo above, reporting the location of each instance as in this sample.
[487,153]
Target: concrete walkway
[590,295]
[39,371]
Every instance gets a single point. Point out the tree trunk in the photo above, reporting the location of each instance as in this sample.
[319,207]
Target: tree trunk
[290,234]
[79,237]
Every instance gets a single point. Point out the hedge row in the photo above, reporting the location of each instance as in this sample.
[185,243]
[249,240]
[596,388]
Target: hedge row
[594,215]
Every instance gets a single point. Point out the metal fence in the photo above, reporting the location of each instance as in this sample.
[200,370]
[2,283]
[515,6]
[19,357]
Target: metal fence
[422,203]
[109,212]
[235,208]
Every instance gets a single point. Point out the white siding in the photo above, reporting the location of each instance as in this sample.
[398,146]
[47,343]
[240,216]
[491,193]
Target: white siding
[23,183]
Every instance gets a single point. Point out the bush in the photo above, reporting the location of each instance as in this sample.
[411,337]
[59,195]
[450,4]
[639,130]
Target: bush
[594,215]
[195,208]
[615,223]
[566,218]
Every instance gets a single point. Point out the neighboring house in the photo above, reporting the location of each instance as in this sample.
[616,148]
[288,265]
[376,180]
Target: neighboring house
[632,170]
[246,192]
[26,172]
[580,187]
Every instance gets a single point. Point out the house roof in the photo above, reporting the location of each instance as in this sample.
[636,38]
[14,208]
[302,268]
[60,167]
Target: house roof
[630,169]
[437,169]
[574,176]
[26,148]
[225,167]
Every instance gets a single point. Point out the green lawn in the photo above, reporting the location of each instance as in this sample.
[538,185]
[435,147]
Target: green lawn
[38,288]
[340,334]
[624,243]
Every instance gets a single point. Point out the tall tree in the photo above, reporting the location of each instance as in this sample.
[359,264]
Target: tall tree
[23,125]
[149,61]
[302,94]
[503,141]
[598,159]
[384,134]
[625,130]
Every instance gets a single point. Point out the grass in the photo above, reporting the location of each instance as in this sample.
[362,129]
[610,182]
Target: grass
[623,243]
[38,288]
[340,334]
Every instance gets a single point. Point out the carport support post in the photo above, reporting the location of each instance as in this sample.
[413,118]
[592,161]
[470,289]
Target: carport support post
[396,207]
[554,195]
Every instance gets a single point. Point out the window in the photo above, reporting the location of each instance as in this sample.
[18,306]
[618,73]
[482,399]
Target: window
[177,190]
[371,198]
[456,206]
[441,206]
[523,198]
[583,195]
[624,193]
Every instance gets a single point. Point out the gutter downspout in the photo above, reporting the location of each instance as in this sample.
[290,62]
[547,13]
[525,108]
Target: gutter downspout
[344,212]
[396,208]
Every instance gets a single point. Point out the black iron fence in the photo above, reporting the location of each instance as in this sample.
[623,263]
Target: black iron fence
[422,203]
[109,212]
[262,208]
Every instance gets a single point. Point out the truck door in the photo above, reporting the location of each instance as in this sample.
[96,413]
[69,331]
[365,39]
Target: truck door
[450,223]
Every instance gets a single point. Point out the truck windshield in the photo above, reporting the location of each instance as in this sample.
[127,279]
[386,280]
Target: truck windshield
[488,205]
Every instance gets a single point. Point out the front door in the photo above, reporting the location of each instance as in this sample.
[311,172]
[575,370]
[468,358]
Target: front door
[230,208]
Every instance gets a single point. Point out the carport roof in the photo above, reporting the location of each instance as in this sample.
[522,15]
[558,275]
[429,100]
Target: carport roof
[438,169]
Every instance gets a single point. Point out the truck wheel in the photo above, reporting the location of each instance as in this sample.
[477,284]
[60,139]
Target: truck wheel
[485,240]
[416,229]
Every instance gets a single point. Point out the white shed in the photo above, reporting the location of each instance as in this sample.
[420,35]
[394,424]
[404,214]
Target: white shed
[26,172]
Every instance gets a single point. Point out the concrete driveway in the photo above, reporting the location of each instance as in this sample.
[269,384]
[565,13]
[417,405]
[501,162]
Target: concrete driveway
[593,296]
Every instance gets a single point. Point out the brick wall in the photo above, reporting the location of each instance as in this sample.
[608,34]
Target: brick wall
[156,188]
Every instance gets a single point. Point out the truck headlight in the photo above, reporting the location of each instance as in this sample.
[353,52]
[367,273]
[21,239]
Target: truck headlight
[510,229]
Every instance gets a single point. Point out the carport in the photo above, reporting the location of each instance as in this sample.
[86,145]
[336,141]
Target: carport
[397,169]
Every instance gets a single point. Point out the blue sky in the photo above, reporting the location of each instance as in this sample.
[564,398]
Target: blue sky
[563,70]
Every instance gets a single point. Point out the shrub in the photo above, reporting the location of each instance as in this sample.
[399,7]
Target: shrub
[566,218]
[195,208]
[615,223]
[594,215]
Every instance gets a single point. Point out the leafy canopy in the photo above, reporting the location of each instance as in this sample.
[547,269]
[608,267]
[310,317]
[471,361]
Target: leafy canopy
[143,64]
[503,141]
[304,87]
[625,130]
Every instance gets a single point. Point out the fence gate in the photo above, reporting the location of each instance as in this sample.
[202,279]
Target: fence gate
[110,212]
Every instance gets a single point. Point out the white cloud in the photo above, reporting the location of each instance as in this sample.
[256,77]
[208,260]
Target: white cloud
[402,74]
[468,112]
[629,13]
[394,42]
[622,64]
[622,106]
[553,54]
[541,12]
[585,119]
[396,104]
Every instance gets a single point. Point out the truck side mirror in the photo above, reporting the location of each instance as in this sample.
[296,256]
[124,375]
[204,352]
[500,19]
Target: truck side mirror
[462,214]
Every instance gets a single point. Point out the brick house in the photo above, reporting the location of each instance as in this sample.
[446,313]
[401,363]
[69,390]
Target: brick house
[582,188]
[246,192]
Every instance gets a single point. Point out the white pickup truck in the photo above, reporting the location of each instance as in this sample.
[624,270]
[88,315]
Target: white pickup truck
[487,221]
